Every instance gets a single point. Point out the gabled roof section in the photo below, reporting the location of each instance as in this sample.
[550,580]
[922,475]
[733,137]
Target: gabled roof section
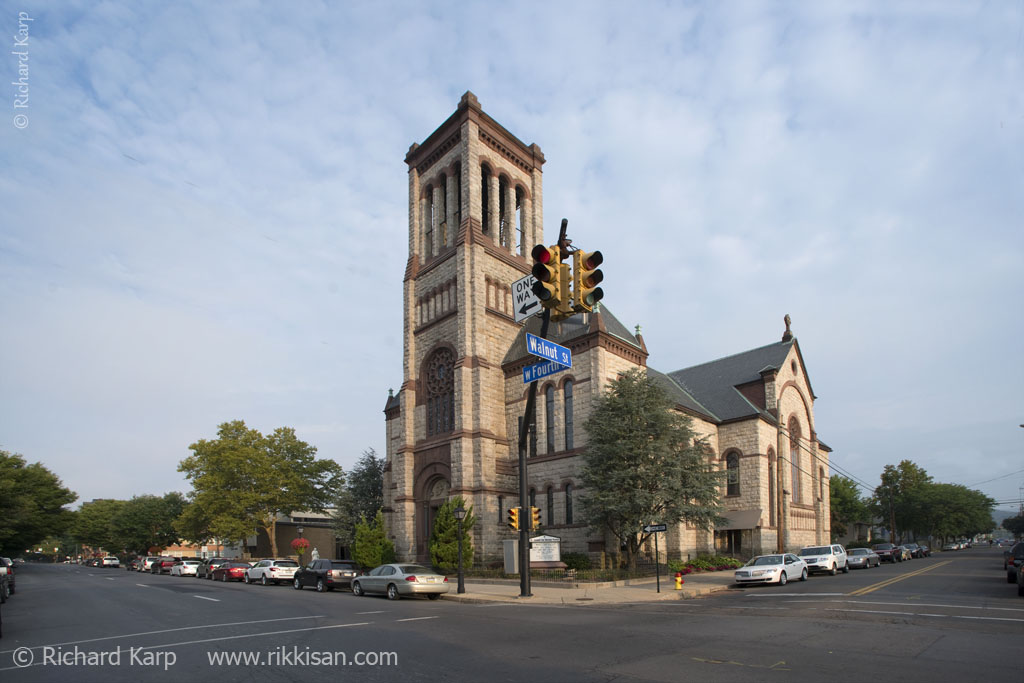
[567,330]
[714,384]
[679,395]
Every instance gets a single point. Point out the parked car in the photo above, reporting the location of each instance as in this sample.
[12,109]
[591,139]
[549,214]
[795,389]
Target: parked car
[147,564]
[825,558]
[915,550]
[1013,562]
[132,564]
[862,558]
[230,571]
[207,566]
[326,575]
[163,565]
[926,551]
[7,570]
[111,561]
[185,568]
[888,552]
[778,569]
[396,580]
[906,552]
[271,571]
[1020,581]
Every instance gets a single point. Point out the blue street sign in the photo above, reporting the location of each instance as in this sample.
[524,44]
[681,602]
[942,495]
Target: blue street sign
[548,350]
[534,372]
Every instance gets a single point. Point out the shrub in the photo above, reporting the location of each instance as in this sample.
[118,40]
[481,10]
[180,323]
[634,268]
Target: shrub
[577,561]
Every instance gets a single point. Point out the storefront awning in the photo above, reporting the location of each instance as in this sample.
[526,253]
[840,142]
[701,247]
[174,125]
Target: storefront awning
[740,519]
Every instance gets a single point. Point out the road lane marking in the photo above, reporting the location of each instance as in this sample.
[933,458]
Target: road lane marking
[109,578]
[377,612]
[170,630]
[920,614]
[416,618]
[897,579]
[205,598]
[913,604]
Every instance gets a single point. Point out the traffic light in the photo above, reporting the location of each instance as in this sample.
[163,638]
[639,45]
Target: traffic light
[513,519]
[547,266]
[585,278]
[534,518]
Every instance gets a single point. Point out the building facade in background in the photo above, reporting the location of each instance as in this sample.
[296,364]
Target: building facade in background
[475,212]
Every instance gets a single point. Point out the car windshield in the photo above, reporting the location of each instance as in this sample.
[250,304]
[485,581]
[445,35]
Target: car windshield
[767,559]
[414,569]
[342,565]
[815,551]
[858,551]
[882,546]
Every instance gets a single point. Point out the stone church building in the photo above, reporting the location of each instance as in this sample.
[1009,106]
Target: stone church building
[475,212]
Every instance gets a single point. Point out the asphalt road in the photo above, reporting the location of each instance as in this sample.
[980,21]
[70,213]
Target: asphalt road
[950,616]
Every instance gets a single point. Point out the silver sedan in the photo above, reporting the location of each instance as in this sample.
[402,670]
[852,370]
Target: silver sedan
[778,569]
[863,558]
[396,580]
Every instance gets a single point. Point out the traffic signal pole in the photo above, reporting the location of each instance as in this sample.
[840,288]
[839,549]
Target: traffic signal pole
[524,504]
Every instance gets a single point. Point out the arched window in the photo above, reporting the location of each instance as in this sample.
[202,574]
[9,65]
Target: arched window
[549,408]
[794,458]
[772,504]
[568,503]
[485,202]
[520,222]
[551,506]
[821,483]
[567,392]
[458,197]
[503,226]
[440,380]
[428,224]
[732,468]
[442,213]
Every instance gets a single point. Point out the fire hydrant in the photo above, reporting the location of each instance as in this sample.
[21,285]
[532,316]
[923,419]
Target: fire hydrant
[679,581]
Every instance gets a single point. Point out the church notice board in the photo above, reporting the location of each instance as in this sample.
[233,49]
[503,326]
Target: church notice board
[545,549]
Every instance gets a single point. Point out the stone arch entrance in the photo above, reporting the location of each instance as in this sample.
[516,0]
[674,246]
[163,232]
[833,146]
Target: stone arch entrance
[432,490]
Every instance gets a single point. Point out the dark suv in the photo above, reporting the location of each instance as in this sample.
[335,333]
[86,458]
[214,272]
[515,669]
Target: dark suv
[206,567]
[887,552]
[163,564]
[1014,560]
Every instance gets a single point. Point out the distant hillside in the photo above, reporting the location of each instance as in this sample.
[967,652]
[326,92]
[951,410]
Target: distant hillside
[999,514]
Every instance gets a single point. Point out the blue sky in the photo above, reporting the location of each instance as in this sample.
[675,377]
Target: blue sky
[205,218]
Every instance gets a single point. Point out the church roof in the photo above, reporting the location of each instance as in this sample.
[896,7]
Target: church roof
[679,395]
[714,384]
[567,330]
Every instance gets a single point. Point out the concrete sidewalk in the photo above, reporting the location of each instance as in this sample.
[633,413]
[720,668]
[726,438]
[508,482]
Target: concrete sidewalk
[618,592]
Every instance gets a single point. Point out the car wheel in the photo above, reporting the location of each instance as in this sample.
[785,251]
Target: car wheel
[224,577]
[1011,577]
[393,592]
[803,574]
[846,568]
[357,589]
[245,578]
[263,580]
[1020,589]
[320,587]
[433,596]
[297,584]
[832,571]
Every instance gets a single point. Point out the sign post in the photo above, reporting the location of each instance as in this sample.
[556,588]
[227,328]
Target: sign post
[656,529]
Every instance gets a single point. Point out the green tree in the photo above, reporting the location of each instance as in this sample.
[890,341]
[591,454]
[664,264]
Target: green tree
[902,499]
[372,546]
[644,464]
[94,524]
[1015,525]
[243,481]
[362,496]
[32,500]
[444,539]
[148,521]
[845,504]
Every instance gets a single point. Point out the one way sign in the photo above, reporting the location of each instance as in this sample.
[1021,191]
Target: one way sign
[524,302]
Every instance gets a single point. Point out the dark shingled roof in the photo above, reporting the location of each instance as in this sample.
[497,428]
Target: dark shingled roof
[714,384]
[679,395]
[567,330]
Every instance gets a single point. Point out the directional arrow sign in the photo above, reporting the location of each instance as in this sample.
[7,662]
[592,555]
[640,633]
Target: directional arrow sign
[538,370]
[548,350]
[655,527]
[525,302]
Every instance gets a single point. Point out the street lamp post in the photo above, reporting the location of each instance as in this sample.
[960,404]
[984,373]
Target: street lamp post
[460,514]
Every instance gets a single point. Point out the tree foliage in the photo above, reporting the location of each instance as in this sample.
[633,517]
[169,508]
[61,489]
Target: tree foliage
[148,521]
[242,480]
[372,546]
[1015,525]
[32,501]
[846,505]
[444,539]
[362,496]
[644,464]
[94,524]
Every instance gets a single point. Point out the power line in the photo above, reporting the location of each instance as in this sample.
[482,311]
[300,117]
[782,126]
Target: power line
[1002,476]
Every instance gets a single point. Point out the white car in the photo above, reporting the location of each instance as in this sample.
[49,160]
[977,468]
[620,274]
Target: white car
[271,571]
[825,558]
[779,569]
[110,562]
[185,568]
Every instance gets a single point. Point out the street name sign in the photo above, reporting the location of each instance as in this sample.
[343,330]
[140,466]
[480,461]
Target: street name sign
[539,370]
[524,302]
[548,350]
[650,528]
